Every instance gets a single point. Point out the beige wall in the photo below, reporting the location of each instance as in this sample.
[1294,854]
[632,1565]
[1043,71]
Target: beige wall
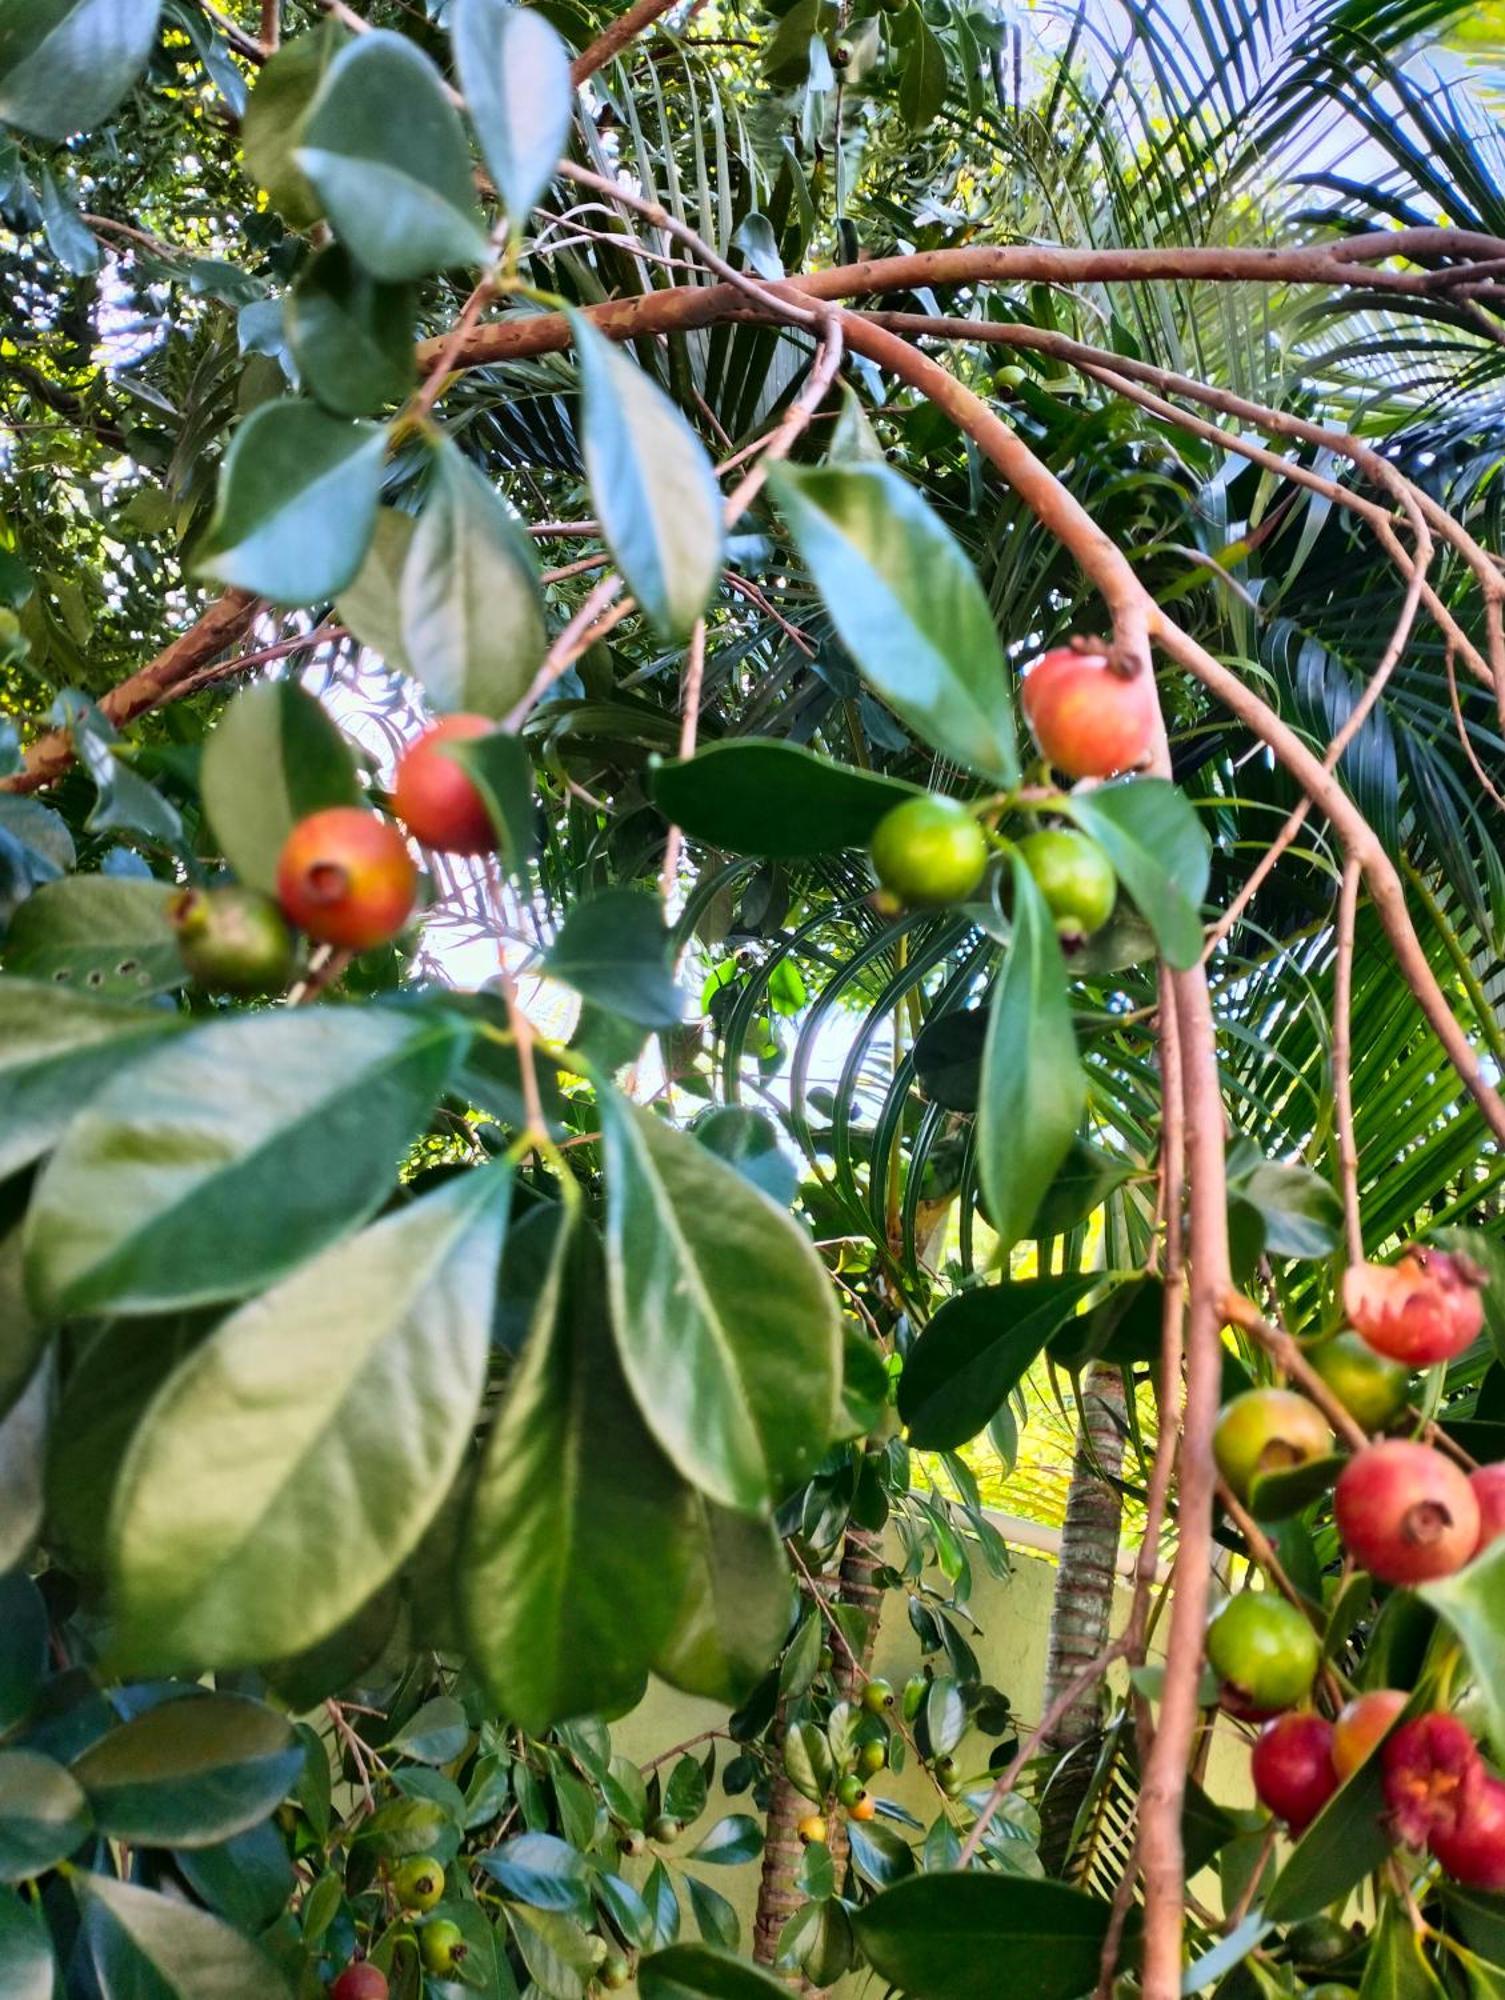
[1014,1617]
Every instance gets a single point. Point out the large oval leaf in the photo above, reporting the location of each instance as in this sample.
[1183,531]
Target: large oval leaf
[215,1165]
[56,1050]
[613,948]
[515,72]
[280,100]
[28,1970]
[702,1972]
[297,501]
[273,757]
[143,1943]
[1160,853]
[371,606]
[298,1455]
[945,1936]
[976,1351]
[654,490]
[724,1316]
[472,618]
[43,1814]
[105,935]
[908,607]
[387,155]
[66,64]
[1033,1090]
[190,1772]
[569,1563]
[351,335]
[777,800]
[734,1613]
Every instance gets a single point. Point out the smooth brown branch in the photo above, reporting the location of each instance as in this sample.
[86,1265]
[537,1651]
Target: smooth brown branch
[1342,1060]
[1465,739]
[611,41]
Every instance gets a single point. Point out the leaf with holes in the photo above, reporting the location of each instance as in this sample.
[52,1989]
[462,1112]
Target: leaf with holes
[107,936]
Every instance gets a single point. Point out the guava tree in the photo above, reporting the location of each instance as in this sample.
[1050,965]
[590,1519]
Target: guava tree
[508,503]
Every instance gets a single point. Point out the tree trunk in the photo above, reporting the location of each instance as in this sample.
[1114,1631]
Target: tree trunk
[1082,1608]
[778,1898]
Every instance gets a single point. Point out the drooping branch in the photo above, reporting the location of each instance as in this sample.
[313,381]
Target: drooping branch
[612,40]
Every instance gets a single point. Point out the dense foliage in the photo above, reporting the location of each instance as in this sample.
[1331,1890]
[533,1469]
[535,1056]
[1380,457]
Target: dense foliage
[491,1214]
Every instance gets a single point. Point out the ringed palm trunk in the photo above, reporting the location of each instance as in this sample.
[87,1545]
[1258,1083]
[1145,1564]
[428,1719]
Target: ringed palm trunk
[1082,1607]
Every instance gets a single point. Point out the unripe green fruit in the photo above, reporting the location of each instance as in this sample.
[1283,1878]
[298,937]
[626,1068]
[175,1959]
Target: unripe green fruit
[1318,1941]
[871,1759]
[233,940]
[929,851]
[948,1776]
[1011,376]
[877,1696]
[664,1828]
[849,1791]
[1371,1388]
[1265,1650]
[915,1690]
[1074,876]
[442,1947]
[634,1840]
[418,1882]
[615,1971]
[1267,1430]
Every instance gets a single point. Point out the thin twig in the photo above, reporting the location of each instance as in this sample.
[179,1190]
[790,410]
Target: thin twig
[1342,1061]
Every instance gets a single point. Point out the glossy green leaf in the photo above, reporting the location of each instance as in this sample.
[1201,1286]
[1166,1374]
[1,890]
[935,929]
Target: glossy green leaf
[292,1123]
[270,1490]
[773,799]
[943,1715]
[515,72]
[944,1937]
[807,1760]
[57,1048]
[749,1141]
[23,1647]
[437,1733]
[734,1839]
[879,1854]
[715,1918]
[272,127]
[502,772]
[189,1773]
[975,1352]
[568,1573]
[247,1879]
[1033,1090]
[65,65]
[702,1972]
[1300,1213]
[1396,1966]
[1344,1843]
[922,70]
[297,502]
[351,335]
[371,606]
[907,606]
[732,1617]
[43,1814]
[653,486]
[23,1449]
[107,936]
[28,1970]
[613,948]
[387,155]
[472,619]
[35,848]
[1086,1178]
[1472,1601]
[1160,852]
[273,757]
[1278,1495]
[163,1949]
[724,1316]
[543,1871]
[555,1950]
